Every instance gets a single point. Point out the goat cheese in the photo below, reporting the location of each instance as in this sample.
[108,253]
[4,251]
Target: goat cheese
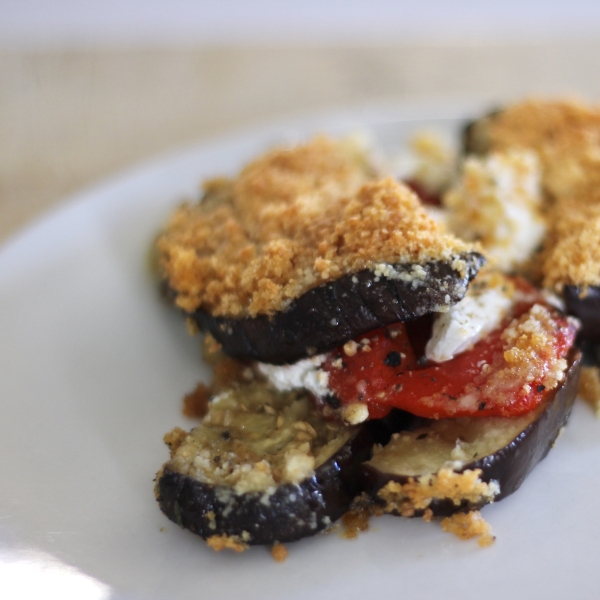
[303,374]
[497,202]
[476,315]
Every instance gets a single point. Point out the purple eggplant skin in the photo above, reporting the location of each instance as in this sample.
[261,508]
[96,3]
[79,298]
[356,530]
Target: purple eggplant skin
[475,137]
[586,307]
[292,512]
[329,315]
[510,465]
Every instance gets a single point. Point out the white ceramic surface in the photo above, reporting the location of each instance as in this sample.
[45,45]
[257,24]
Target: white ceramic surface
[93,367]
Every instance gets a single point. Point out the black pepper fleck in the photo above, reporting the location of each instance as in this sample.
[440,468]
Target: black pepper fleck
[541,388]
[226,435]
[332,401]
[393,359]
[482,406]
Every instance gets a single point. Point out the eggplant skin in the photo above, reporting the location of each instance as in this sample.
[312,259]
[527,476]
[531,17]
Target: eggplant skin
[586,307]
[475,136]
[333,313]
[510,465]
[292,512]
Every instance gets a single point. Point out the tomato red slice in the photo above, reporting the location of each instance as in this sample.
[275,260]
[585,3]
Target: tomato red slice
[428,198]
[385,373]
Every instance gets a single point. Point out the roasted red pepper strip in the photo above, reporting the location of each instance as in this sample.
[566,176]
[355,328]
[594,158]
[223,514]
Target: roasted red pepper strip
[384,373]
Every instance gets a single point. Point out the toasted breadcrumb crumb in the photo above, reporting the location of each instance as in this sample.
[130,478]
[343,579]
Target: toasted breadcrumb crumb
[222,542]
[192,327]
[418,492]
[210,347]
[174,438]
[355,521]
[589,387]
[279,552]
[229,372]
[469,525]
[350,348]
[195,404]
[427,515]
[292,220]
[530,350]
[355,413]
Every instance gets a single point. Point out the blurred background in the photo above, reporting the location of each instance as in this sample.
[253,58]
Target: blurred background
[89,87]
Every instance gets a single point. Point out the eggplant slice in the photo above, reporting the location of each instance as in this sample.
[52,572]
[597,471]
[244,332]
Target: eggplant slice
[331,314]
[494,454]
[263,467]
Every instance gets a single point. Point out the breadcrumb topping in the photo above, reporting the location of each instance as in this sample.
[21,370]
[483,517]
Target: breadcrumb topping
[279,552]
[355,521]
[222,542]
[530,351]
[589,387]
[292,220]
[572,248]
[174,438]
[469,525]
[418,492]
[566,137]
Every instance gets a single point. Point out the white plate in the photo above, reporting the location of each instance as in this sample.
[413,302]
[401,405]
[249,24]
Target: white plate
[93,367]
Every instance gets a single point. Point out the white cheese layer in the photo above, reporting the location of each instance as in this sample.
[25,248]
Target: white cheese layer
[497,202]
[305,374]
[476,315]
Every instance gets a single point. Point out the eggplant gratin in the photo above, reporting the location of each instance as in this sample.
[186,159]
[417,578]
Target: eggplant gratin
[403,337]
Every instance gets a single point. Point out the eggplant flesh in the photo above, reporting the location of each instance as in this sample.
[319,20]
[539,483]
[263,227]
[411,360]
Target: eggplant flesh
[262,476]
[504,449]
[333,313]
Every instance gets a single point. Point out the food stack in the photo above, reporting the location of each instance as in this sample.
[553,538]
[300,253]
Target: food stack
[381,353]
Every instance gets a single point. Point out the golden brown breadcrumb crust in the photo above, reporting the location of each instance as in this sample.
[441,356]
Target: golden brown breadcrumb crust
[530,352]
[566,137]
[279,552]
[292,220]
[174,438]
[222,542]
[469,525]
[418,492]
[572,248]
